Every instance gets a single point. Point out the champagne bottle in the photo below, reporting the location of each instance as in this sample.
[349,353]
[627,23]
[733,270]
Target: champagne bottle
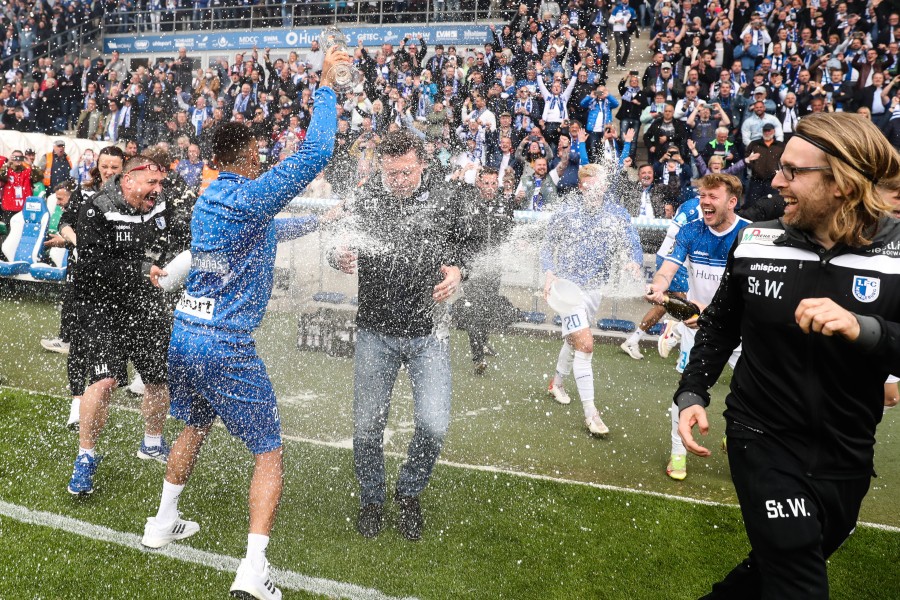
[680,308]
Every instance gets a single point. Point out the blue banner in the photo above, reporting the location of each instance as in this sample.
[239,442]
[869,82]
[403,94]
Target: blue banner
[456,35]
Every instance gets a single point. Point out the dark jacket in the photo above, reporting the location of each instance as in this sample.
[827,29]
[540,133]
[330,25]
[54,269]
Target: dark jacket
[820,397]
[116,248]
[410,240]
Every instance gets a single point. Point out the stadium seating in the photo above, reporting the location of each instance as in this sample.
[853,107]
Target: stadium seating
[56,271]
[24,245]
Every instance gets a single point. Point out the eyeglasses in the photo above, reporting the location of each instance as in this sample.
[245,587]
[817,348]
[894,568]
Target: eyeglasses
[790,172]
[152,167]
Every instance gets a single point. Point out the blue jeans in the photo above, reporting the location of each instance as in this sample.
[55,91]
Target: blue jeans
[378,360]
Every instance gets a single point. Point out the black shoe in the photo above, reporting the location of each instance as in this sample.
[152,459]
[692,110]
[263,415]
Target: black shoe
[370,521]
[480,367]
[410,519]
[489,351]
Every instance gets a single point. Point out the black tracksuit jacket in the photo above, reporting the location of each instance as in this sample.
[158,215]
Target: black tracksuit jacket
[819,396]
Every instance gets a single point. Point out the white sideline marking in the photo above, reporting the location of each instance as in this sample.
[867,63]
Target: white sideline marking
[342,445]
[219,562]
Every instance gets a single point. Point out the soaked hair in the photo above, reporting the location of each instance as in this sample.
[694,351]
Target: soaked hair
[860,158]
[139,161]
[591,170]
[158,154]
[732,184]
[401,141]
[229,141]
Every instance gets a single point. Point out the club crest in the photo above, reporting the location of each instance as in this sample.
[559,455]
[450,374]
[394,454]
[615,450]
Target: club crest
[865,289]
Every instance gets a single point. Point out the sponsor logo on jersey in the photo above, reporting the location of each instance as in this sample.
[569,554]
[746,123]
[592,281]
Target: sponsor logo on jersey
[768,268]
[210,262]
[765,237]
[865,289]
[201,308]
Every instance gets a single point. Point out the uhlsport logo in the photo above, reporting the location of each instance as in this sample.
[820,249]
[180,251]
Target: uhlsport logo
[865,289]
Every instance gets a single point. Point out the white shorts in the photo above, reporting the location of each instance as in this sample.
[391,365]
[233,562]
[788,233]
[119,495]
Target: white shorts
[892,379]
[687,342]
[581,317]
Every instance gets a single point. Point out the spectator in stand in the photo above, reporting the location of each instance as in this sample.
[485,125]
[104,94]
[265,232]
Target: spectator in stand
[763,169]
[55,166]
[191,167]
[17,178]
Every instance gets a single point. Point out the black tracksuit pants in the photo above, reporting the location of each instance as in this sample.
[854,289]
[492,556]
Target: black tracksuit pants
[794,522]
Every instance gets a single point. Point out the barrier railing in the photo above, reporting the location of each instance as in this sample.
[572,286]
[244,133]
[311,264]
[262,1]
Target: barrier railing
[290,15]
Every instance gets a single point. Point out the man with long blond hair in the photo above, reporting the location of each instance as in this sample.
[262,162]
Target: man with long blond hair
[815,299]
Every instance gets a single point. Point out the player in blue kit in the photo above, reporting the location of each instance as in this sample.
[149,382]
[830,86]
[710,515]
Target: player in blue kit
[687,212]
[213,366]
[702,246]
[587,240]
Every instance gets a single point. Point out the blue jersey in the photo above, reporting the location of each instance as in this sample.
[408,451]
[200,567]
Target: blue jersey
[687,212]
[705,253]
[234,232]
[583,244]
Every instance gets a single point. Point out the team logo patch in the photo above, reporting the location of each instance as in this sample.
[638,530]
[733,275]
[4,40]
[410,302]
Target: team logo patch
[161,222]
[865,289]
[755,235]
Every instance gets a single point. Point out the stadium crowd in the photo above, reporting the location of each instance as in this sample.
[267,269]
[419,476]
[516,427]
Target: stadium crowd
[724,91]
[526,117]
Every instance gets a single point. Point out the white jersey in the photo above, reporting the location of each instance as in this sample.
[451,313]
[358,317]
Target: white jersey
[704,252]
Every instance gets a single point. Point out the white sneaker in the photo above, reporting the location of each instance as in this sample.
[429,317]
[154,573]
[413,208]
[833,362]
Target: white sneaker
[558,393]
[596,425]
[74,414]
[250,584]
[137,385]
[670,337]
[632,350]
[156,536]
[55,345]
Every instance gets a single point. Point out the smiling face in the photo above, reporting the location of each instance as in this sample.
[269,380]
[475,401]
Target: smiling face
[717,207]
[141,188]
[810,199]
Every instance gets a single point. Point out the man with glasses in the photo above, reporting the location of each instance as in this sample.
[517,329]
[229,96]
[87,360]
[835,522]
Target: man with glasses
[407,274]
[122,237]
[813,292]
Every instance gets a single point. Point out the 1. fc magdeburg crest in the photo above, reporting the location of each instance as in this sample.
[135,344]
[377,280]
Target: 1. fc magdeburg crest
[865,289]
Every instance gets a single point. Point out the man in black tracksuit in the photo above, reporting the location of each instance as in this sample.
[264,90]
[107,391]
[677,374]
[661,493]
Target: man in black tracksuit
[122,235]
[489,220]
[815,300]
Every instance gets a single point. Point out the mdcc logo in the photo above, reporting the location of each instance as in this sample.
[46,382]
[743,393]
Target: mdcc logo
[865,289]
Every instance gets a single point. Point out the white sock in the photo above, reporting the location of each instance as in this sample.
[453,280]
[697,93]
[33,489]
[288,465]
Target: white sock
[584,381]
[677,444]
[168,504]
[88,451]
[256,550]
[635,337]
[152,440]
[563,363]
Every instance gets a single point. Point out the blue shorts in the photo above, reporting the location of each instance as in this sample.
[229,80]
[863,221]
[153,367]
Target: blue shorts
[680,281]
[219,374]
